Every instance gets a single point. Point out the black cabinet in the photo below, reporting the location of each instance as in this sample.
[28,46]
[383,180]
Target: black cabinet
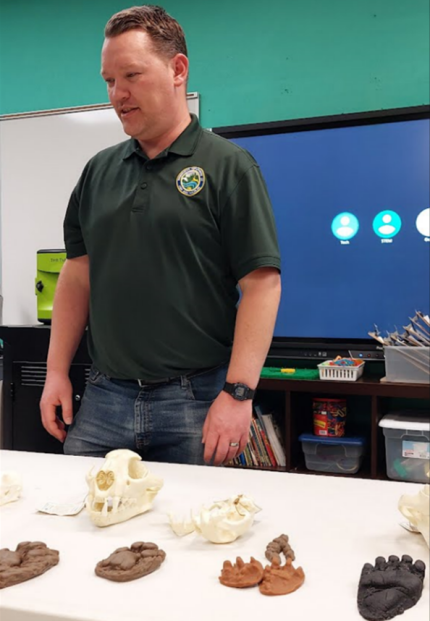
[24,374]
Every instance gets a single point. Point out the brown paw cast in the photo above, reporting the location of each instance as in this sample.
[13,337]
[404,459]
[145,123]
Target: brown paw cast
[241,575]
[30,559]
[127,564]
[280,580]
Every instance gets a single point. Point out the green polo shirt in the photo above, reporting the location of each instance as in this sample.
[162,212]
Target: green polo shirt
[168,239]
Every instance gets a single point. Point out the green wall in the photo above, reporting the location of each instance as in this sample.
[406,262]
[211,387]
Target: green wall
[251,60]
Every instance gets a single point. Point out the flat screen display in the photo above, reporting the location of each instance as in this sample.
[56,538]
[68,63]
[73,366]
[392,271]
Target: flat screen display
[351,205]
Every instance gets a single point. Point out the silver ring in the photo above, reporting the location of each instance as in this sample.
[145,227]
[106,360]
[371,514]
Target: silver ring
[234,444]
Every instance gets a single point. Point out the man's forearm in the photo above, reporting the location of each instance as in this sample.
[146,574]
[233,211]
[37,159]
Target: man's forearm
[255,323]
[69,319]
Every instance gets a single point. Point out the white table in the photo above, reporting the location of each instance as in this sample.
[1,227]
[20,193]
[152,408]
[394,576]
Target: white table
[335,525]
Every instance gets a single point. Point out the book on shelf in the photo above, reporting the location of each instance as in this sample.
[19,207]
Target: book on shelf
[274,440]
[273,433]
[263,455]
[267,452]
[264,448]
[256,445]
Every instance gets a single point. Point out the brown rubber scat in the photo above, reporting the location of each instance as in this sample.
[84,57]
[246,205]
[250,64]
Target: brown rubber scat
[278,546]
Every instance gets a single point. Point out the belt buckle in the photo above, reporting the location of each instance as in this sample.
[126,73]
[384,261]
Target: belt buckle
[142,383]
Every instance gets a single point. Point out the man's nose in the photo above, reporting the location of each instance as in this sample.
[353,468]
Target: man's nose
[119,92]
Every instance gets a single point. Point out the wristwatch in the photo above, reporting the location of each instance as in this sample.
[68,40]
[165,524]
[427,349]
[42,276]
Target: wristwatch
[240,392]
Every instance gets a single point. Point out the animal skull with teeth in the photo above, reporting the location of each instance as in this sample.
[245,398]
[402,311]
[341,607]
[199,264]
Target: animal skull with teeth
[122,488]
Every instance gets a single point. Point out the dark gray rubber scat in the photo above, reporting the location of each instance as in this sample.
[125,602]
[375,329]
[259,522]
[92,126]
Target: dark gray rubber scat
[390,587]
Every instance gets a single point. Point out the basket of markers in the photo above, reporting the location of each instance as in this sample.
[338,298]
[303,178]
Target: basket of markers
[341,369]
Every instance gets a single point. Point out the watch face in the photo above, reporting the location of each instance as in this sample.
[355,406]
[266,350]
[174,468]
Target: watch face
[239,390]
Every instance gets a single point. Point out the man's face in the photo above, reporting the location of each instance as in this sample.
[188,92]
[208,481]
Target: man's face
[142,85]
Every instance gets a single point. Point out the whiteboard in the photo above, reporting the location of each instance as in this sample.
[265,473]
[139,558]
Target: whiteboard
[42,155]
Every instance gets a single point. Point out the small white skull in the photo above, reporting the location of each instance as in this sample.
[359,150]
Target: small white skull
[122,488]
[416,509]
[10,487]
[220,522]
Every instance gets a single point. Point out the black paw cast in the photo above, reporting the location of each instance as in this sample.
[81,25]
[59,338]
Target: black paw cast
[390,587]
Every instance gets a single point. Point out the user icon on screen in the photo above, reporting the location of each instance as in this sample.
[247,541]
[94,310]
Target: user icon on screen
[387,224]
[423,222]
[344,226]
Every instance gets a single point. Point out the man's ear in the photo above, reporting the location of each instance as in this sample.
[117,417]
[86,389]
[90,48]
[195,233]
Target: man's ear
[180,69]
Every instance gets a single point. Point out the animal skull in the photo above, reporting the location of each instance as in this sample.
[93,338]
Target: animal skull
[122,488]
[10,487]
[220,522]
[416,509]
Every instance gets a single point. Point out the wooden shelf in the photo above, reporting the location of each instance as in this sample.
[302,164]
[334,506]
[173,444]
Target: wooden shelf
[244,467]
[364,386]
[294,397]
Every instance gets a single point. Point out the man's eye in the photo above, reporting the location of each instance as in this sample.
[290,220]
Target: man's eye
[109,80]
[131,75]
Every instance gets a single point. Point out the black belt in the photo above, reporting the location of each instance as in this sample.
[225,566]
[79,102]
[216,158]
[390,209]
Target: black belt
[166,380]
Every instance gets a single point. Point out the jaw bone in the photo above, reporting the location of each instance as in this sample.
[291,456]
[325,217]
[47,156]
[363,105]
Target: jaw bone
[220,522]
[181,526]
[10,487]
[122,488]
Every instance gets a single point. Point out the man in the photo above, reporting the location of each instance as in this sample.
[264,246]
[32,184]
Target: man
[159,232]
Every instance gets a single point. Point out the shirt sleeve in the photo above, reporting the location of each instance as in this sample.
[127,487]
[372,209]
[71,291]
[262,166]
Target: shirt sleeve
[73,238]
[248,226]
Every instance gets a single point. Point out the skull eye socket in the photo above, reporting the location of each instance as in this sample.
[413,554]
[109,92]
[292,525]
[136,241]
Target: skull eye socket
[105,479]
[136,469]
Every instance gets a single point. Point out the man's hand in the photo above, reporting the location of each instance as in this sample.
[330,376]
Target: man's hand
[57,392]
[228,420]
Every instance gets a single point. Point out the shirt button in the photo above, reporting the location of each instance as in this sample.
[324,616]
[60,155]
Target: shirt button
[148,167]
[144,186]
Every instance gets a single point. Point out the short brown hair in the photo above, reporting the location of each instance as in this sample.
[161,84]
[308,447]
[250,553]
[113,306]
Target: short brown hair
[166,34]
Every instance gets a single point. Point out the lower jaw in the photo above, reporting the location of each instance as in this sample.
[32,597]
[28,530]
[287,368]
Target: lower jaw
[118,516]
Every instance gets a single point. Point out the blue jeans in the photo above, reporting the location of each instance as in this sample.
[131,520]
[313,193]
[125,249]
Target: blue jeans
[161,422]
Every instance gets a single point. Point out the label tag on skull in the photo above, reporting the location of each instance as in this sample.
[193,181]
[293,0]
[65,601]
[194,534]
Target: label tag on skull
[71,506]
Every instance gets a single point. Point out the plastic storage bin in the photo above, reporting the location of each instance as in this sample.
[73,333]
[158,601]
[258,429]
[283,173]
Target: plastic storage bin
[407,364]
[407,446]
[341,455]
